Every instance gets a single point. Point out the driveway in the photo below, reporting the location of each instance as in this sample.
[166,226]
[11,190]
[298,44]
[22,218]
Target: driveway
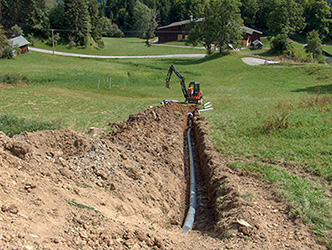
[117,57]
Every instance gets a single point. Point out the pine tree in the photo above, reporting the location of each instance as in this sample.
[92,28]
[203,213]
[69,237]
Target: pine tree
[95,20]
[77,21]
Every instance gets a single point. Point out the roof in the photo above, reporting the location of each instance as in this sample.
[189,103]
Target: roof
[256,42]
[180,23]
[251,31]
[19,41]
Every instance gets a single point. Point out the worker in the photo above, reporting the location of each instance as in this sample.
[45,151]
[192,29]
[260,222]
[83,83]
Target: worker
[191,90]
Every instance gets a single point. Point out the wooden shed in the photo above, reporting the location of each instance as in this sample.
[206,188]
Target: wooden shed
[250,35]
[22,43]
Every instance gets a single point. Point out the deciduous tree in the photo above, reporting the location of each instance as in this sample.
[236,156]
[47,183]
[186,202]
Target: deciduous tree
[144,21]
[286,17]
[318,17]
[222,25]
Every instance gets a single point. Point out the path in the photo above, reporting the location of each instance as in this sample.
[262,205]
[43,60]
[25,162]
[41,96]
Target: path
[117,57]
[257,61]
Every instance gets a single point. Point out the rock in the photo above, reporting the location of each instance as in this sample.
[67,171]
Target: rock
[243,223]
[11,208]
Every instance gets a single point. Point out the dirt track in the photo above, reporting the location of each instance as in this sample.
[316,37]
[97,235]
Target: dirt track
[127,190]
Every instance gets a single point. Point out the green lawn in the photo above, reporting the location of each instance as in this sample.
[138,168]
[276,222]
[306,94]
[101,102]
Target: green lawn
[328,48]
[122,46]
[277,117]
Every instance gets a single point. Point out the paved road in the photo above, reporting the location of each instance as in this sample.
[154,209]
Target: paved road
[117,57]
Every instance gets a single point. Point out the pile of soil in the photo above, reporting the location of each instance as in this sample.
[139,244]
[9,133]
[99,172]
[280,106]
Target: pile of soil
[128,190]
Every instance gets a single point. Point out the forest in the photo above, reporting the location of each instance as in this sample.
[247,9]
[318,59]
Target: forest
[81,21]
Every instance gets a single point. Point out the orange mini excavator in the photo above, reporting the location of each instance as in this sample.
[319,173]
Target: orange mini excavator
[193,93]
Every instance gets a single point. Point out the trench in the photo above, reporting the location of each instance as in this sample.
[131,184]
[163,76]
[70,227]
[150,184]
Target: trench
[205,216]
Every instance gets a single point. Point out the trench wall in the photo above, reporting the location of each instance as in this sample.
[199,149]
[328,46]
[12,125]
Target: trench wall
[223,192]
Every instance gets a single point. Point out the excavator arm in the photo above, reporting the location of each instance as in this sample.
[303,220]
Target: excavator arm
[181,78]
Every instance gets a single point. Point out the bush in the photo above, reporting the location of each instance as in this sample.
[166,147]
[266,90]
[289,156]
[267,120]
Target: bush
[281,44]
[12,125]
[314,46]
[7,50]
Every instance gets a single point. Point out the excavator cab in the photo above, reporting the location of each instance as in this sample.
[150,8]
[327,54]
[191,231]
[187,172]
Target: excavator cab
[196,87]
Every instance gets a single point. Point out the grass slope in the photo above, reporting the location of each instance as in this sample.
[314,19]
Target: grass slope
[278,117]
[122,46]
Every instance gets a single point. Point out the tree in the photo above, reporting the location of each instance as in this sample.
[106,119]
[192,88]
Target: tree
[286,17]
[3,38]
[183,9]
[145,21]
[249,9]
[221,25]
[77,21]
[314,46]
[57,16]
[262,16]
[16,30]
[6,46]
[93,7]
[109,29]
[318,17]
[30,14]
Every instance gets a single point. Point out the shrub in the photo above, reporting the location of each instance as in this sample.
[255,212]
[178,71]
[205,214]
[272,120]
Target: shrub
[281,44]
[314,46]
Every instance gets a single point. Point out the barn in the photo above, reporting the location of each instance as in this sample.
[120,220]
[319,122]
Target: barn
[178,31]
[20,42]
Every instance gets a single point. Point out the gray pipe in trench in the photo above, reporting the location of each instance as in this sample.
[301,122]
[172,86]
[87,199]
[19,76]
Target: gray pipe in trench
[189,221]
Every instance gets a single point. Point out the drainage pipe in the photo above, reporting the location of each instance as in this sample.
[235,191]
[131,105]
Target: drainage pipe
[189,221]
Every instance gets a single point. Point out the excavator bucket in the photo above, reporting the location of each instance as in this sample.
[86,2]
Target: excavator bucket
[168,85]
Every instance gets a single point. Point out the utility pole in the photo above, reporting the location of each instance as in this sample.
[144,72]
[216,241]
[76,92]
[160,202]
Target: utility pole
[52,40]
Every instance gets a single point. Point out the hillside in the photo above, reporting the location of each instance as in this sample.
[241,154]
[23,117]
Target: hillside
[66,190]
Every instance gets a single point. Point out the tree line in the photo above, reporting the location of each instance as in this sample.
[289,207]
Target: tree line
[81,22]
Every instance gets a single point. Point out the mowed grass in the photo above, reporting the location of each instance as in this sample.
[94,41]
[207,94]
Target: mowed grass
[122,46]
[277,116]
[328,48]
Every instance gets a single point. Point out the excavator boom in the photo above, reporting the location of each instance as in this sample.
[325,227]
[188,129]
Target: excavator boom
[181,78]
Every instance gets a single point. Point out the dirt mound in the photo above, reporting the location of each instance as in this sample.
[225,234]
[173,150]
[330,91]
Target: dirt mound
[128,190]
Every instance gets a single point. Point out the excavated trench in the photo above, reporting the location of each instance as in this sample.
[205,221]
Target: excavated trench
[129,190]
[205,216]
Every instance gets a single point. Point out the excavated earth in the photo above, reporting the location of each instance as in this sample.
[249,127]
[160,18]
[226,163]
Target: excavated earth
[128,190]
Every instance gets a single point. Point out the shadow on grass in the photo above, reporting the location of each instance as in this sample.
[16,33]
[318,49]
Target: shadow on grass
[321,89]
[191,61]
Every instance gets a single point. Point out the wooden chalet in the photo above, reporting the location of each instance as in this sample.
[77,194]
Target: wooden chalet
[179,31]
[22,43]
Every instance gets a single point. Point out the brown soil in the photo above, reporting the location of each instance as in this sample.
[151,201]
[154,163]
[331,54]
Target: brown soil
[128,190]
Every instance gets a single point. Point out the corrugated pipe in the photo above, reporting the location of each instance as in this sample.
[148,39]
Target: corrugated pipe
[189,221]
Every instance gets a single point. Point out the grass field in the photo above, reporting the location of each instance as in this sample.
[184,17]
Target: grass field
[122,46]
[275,120]
[328,48]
